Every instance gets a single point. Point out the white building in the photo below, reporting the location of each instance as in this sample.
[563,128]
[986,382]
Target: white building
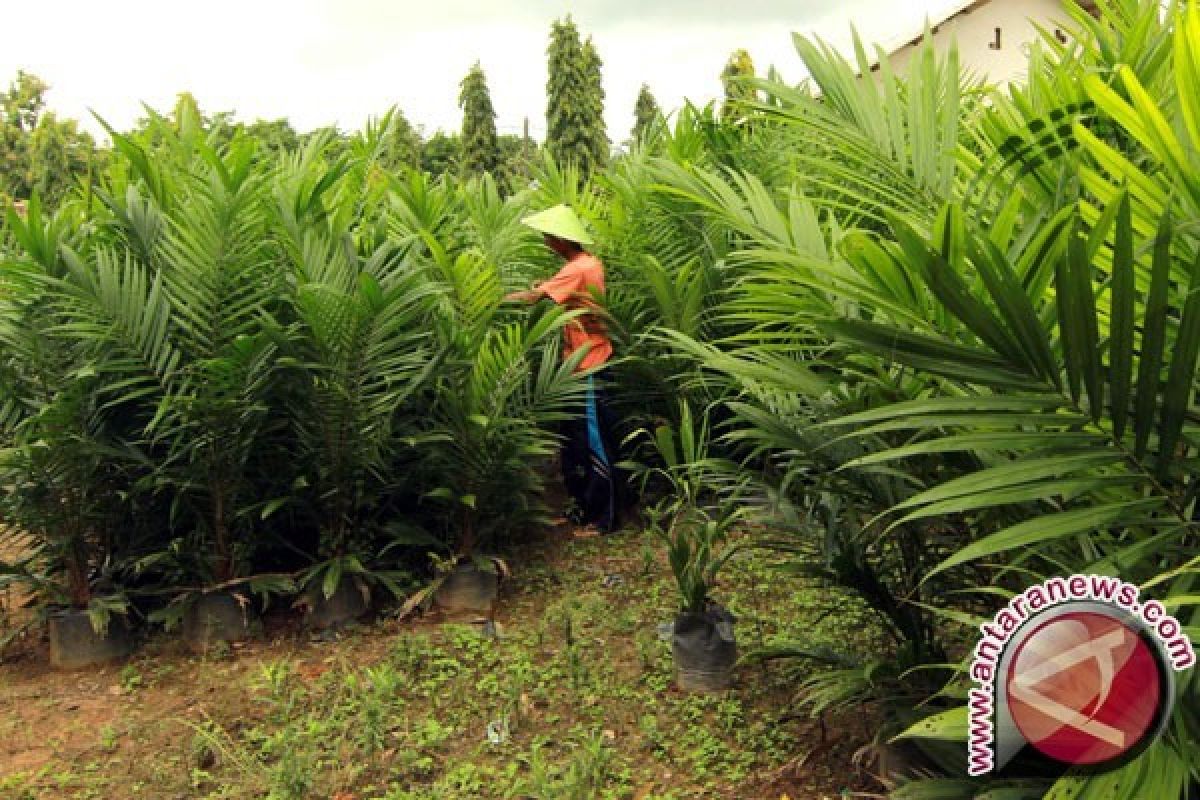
[993,35]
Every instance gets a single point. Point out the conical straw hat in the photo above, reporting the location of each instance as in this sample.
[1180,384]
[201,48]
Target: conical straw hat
[559,221]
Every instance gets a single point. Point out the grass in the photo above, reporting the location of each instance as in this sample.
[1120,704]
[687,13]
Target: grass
[572,699]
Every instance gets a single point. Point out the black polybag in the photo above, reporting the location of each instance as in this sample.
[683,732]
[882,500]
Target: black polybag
[704,647]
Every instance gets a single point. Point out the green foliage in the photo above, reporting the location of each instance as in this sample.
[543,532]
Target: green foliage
[360,344]
[275,136]
[646,114]
[400,149]
[62,470]
[227,360]
[594,84]
[737,81]
[701,505]
[575,132]
[480,151]
[40,154]
[518,156]
[495,398]
[440,154]
[962,345]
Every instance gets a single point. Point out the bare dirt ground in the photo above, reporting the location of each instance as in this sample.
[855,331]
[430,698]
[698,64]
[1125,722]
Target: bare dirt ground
[12,599]
[578,675]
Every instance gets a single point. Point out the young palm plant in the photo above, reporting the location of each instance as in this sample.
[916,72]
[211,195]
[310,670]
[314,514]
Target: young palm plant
[1033,366]
[498,396]
[702,504]
[362,349]
[63,465]
[191,314]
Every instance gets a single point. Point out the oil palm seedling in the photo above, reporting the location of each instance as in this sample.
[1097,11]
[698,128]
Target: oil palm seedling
[499,392]
[1018,368]
[63,467]
[361,348]
[701,506]
[59,495]
[193,223]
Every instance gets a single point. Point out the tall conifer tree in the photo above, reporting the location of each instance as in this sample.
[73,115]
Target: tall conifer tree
[645,112]
[480,150]
[574,100]
[598,135]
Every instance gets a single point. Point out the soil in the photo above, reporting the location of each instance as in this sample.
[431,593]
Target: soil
[13,600]
[172,725]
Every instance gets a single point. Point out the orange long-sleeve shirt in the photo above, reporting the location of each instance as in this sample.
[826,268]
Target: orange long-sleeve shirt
[574,287]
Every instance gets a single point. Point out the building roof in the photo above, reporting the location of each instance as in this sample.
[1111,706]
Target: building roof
[911,34]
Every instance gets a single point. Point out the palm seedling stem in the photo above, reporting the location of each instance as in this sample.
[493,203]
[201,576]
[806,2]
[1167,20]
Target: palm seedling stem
[224,565]
[467,545]
[77,578]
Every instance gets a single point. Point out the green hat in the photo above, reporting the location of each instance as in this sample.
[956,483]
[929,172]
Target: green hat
[559,221]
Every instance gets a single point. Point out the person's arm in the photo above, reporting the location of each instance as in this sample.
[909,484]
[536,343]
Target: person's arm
[527,296]
[565,284]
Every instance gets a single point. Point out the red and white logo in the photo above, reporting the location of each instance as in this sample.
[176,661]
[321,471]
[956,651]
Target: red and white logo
[1078,668]
[1084,687]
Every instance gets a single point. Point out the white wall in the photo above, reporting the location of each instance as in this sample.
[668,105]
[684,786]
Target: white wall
[976,29]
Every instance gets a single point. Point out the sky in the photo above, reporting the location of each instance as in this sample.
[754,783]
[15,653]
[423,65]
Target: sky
[321,62]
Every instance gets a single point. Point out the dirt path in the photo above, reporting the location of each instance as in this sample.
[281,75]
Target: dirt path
[579,676]
[12,547]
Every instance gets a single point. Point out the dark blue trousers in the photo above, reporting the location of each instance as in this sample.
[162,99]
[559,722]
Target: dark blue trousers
[589,458]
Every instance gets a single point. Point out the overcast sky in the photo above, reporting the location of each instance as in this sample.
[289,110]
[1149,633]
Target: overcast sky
[337,62]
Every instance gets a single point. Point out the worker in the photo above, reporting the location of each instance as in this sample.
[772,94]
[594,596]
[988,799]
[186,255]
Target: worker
[589,453]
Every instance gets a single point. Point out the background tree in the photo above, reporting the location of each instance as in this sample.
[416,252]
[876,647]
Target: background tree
[440,153]
[598,136]
[25,99]
[38,152]
[274,136]
[645,112]
[518,156]
[186,118]
[59,154]
[739,70]
[480,150]
[574,119]
[402,144]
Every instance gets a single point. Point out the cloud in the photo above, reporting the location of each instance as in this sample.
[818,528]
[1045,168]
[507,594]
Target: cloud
[338,61]
[594,14]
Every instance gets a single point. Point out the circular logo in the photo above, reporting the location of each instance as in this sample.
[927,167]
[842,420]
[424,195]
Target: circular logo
[1086,688]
